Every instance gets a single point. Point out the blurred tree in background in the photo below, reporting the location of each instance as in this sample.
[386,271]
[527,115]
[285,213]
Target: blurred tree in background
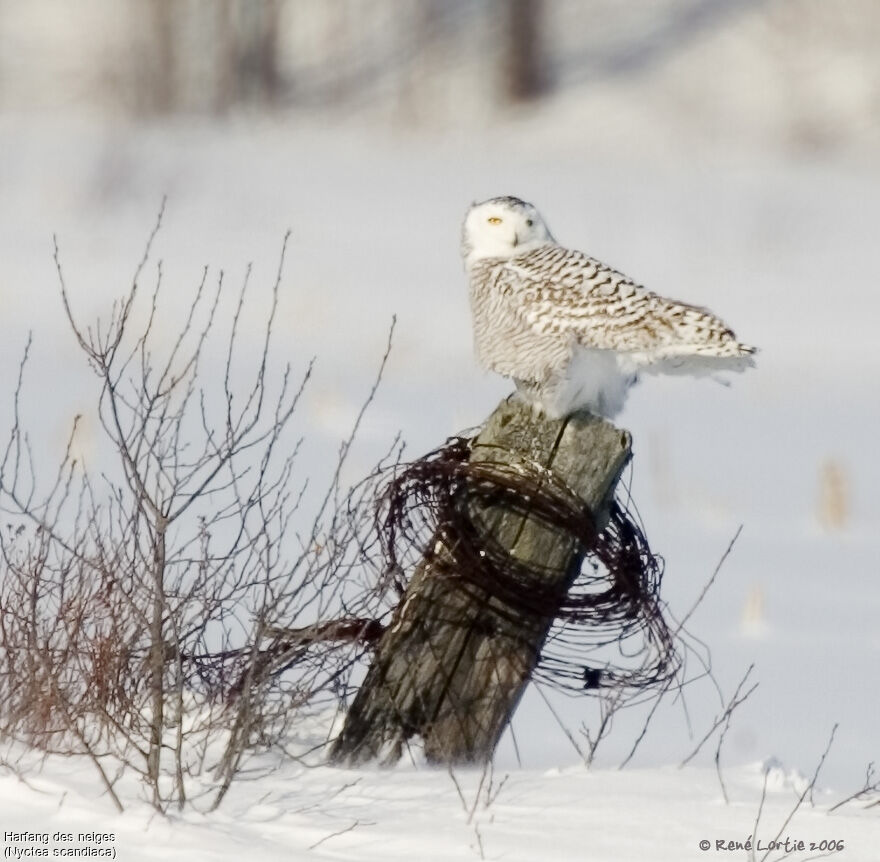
[801,71]
[524,69]
[208,55]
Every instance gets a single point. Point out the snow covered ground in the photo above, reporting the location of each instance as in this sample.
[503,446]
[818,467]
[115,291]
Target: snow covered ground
[782,248]
[565,814]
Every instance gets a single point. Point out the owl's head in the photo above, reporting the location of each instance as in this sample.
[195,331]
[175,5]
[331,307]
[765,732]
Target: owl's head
[501,227]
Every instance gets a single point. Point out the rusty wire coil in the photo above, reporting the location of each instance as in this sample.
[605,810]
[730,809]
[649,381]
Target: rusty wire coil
[609,627]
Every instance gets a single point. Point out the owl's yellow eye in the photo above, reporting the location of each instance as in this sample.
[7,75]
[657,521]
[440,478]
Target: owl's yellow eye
[494,220]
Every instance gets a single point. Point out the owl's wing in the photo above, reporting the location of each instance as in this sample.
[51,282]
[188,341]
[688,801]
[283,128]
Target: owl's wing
[560,291]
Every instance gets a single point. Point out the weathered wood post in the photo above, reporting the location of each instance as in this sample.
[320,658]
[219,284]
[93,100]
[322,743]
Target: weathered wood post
[455,660]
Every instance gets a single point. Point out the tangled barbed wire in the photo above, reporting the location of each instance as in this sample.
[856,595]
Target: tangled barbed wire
[609,626]
[609,630]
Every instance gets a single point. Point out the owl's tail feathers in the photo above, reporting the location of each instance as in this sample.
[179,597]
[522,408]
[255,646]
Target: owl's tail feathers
[703,363]
[703,360]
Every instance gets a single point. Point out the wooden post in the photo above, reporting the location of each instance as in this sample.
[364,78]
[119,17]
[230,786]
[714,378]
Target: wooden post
[455,660]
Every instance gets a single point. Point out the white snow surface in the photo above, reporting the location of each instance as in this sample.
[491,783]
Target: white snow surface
[567,814]
[783,249]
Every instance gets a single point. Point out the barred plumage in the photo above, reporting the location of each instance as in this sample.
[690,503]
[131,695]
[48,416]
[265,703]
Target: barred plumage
[572,332]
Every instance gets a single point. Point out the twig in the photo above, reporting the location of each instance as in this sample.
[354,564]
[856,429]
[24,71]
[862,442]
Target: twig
[479,837]
[341,832]
[870,786]
[759,813]
[806,792]
[458,789]
[724,719]
[708,585]
[734,702]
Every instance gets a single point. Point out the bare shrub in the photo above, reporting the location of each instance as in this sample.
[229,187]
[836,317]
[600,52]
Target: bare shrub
[146,611]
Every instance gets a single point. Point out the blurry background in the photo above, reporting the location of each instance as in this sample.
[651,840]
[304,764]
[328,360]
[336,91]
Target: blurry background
[800,75]
[725,152]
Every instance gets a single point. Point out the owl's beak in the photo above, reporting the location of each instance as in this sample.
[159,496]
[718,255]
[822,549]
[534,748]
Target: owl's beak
[515,239]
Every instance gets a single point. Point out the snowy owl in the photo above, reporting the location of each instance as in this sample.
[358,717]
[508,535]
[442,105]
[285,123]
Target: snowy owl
[572,332]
